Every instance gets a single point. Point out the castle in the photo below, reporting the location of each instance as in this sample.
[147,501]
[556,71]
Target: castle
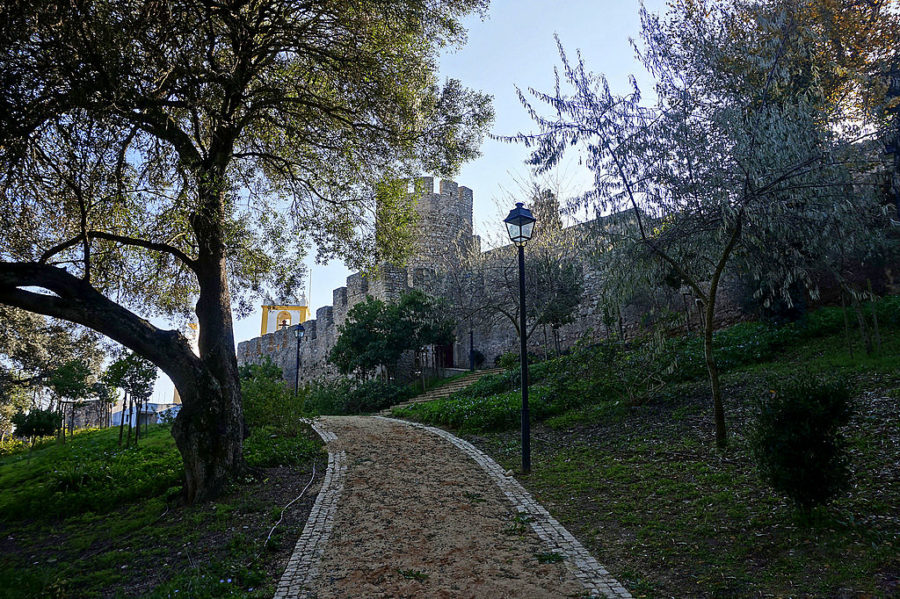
[445,219]
[448,213]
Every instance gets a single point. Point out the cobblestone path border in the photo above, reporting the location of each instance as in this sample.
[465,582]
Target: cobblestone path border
[303,566]
[594,577]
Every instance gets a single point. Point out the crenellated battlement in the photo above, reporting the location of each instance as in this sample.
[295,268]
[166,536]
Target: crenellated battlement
[445,223]
[445,219]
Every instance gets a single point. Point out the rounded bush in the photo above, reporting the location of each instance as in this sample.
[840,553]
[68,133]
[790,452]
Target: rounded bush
[797,441]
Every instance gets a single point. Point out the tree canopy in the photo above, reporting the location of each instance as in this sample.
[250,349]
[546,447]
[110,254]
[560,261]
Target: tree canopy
[751,153]
[133,374]
[376,333]
[177,158]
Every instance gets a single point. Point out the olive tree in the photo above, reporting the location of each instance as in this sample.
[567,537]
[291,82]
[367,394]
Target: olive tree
[742,157]
[175,159]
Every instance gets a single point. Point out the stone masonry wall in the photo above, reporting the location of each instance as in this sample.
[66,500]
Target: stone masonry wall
[445,219]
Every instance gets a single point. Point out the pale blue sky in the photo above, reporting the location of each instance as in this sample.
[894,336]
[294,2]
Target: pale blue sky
[512,46]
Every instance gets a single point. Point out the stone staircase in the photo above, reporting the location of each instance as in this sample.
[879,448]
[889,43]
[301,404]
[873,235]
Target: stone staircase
[443,391]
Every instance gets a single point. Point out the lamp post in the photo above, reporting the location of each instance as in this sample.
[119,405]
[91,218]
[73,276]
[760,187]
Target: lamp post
[520,225]
[298,333]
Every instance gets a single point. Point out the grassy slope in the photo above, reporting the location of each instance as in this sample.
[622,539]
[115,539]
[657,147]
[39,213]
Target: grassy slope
[89,519]
[644,489]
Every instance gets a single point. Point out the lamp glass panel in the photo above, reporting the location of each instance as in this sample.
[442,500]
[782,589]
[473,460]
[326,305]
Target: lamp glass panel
[514,231]
[527,230]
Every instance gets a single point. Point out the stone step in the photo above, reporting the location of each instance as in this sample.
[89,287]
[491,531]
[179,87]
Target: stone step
[443,391]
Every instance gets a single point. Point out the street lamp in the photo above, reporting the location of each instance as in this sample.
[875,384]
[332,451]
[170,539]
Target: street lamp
[298,333]
[520,225]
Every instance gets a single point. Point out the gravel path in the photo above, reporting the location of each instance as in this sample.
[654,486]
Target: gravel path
[411,515]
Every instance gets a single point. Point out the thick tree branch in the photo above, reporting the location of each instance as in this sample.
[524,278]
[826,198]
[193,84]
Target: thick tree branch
[124,240]
[78,301]
[150,245]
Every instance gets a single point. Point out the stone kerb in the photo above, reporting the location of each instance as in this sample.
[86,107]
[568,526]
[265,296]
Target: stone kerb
[597,581]
[302,569]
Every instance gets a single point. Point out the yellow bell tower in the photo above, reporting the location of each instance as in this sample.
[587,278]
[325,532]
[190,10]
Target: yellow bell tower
[277,317]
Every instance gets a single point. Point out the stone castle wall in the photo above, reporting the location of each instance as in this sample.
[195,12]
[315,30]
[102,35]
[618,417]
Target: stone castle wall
[445,219]
[445,222]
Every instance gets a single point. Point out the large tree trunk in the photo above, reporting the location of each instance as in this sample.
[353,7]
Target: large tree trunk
[209,435]
[209,429]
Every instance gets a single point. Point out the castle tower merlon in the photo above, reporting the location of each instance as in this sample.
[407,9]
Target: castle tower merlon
[310,328]
[339,305]
[390,283]
[339,298]
[466,196]
[449,188]
[357,288]
[325,315]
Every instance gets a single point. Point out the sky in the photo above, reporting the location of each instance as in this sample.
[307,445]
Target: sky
[512,46]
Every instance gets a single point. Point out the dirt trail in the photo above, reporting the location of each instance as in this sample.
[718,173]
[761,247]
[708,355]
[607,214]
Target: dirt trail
[418,518]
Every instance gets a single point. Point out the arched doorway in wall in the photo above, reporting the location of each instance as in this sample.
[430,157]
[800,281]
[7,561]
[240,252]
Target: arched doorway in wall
[284,319]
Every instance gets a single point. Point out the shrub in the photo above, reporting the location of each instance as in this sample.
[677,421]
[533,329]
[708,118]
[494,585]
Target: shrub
[375,395]
[266,399]
[743,344]
[11,445]
[483,414]
[328,397]
[609,370]
[511,360]
[480,414]
[37,423]
[344,396]
[824,321]
[797,442]
[267,447]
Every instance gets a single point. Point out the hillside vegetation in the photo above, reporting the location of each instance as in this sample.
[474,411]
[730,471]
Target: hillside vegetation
[624,456]
[92,519]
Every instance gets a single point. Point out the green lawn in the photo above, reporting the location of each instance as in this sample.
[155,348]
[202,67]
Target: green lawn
[90,519]
[641,484]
